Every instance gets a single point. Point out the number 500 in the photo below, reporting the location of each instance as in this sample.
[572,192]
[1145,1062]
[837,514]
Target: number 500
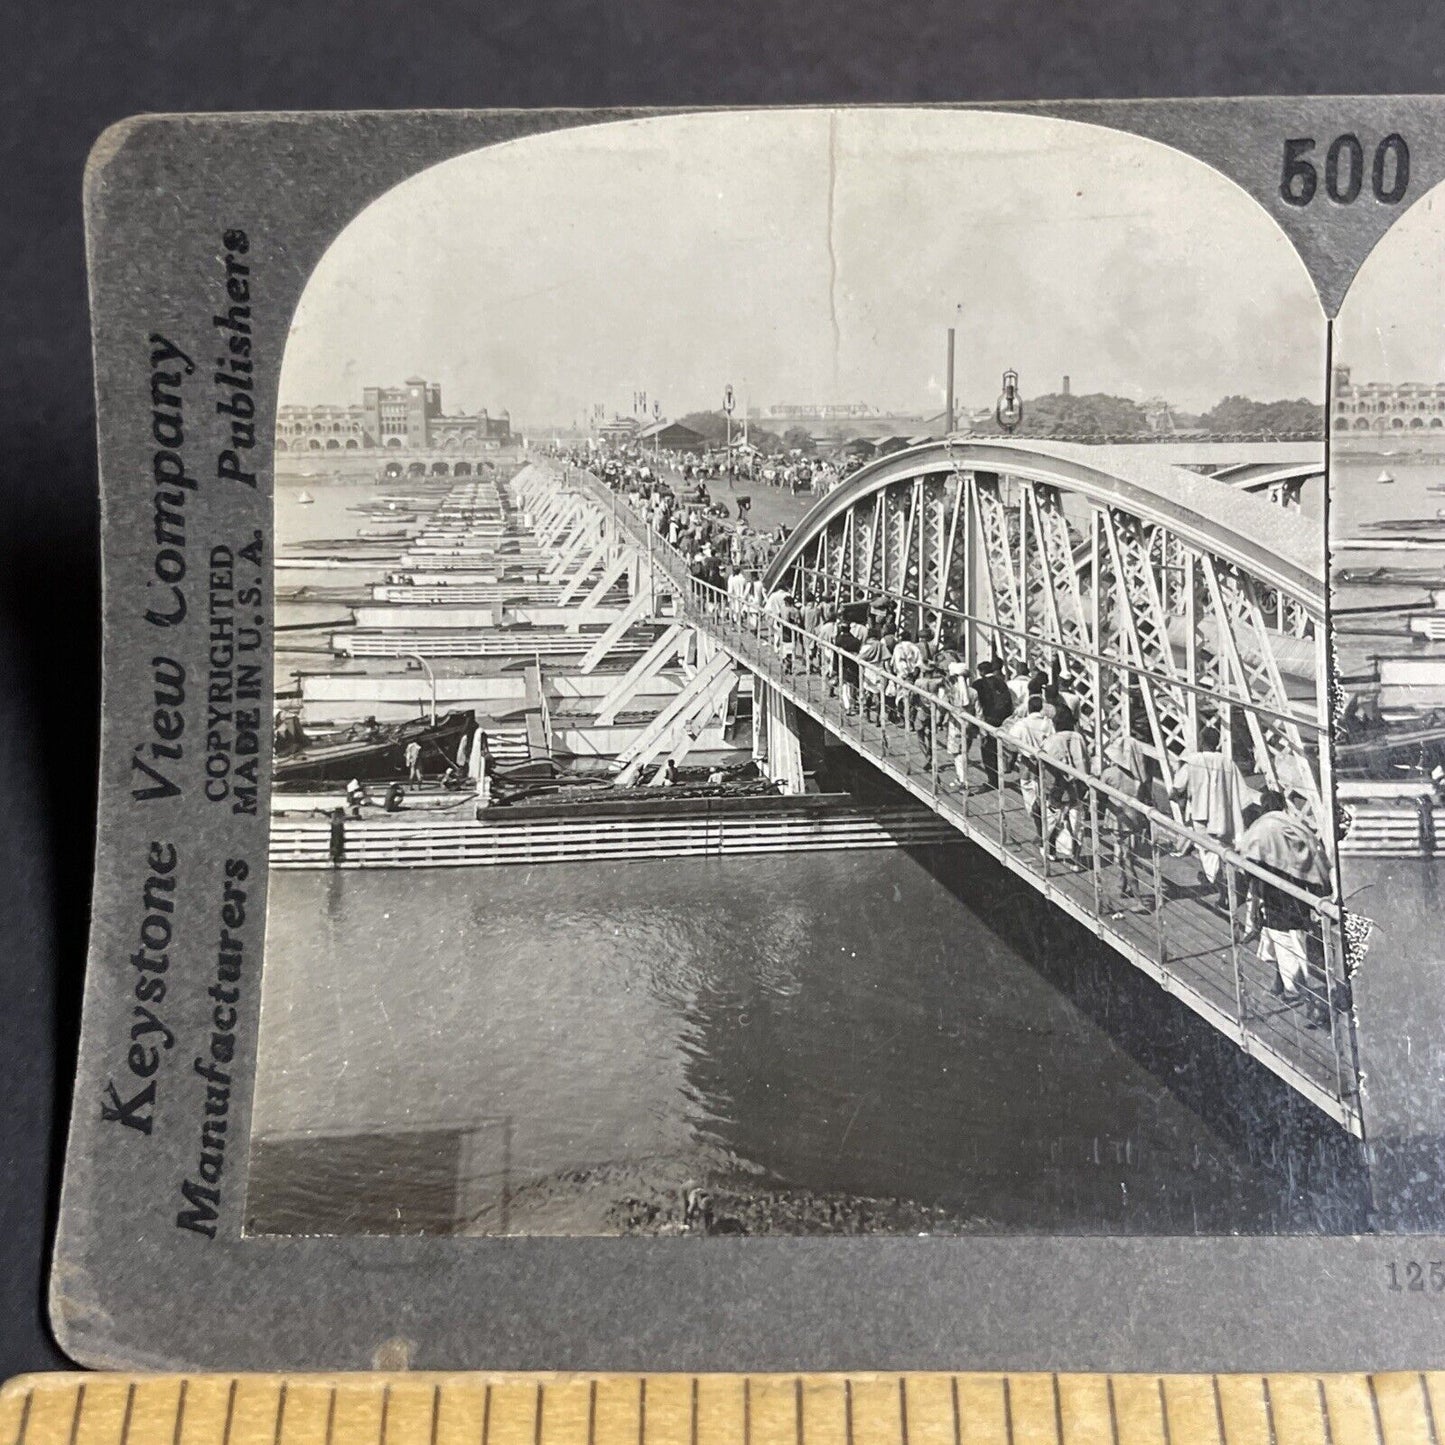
[1345,171]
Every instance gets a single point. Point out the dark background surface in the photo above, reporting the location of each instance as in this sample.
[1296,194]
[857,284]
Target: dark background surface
[71,69]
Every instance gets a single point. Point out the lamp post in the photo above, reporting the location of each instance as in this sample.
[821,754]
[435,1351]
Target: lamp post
[431,678]
[728,408]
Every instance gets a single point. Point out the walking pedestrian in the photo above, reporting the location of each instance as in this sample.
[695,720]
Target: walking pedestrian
[1212,789]
[959,698]
[1033,730]
[812,621]
[907,665]
[995,705]
[1281,843]
[1067,793]
[1126,773]
[848,646]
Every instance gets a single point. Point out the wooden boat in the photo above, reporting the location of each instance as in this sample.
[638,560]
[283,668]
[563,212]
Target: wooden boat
[303,496]
[1370,748]
[371,751]
[1385,478]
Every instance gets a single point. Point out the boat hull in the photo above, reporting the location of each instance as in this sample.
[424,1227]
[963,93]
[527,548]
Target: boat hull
[380,758]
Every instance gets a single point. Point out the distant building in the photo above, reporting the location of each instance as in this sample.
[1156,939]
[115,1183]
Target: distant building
[621,431]
[406,418]
[1380,406]
[671,436]
[837,420]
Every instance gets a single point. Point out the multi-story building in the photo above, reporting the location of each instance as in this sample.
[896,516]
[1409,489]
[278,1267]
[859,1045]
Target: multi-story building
[406,418]
[1385,406]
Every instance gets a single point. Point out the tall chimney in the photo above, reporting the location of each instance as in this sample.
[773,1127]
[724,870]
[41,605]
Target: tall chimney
[1066,385]
[948,411]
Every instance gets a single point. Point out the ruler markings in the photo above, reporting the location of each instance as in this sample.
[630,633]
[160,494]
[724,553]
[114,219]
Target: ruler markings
[1432,1384]
[1429,1411]
[24,1427]
[99,1418]
[1351,1412]
[862,1409]
[1245,1421]
[1193,1410]
[1296,1400]
[129,1413]
[720,1410]
[1401,1409]
[1086,1415]
[1375,1411]
[75,1414]
[180,1412]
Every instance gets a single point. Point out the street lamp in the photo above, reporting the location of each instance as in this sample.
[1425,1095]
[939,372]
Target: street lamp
[728,408]
[1009,412]
[431,677]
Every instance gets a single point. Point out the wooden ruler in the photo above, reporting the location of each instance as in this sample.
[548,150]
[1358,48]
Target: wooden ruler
[852,1409]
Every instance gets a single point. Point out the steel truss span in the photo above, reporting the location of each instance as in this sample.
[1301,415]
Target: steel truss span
[1165,603]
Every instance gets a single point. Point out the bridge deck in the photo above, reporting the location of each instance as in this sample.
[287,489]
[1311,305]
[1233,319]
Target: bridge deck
[1177,936]
[1172,930]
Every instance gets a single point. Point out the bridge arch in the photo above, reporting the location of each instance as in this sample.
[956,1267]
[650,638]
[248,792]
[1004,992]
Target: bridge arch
[1166,601]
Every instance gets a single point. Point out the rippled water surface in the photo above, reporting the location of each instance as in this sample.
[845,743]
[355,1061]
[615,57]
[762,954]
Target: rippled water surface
[523,1048]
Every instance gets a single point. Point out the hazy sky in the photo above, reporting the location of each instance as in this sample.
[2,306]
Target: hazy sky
[1392,324]
[809,257]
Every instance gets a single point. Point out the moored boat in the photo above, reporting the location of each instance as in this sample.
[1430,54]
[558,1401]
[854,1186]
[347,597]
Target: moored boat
[371,751]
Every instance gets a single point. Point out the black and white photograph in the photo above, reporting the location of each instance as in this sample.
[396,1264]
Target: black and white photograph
[802,700]
[1387,586]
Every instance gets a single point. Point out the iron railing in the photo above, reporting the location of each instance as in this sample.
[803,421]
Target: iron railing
[1128,881]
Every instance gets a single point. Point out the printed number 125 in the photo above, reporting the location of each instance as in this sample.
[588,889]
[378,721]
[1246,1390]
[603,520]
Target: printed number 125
[1411,1276]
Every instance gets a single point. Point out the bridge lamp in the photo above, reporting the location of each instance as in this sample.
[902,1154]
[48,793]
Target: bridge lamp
[1009,412]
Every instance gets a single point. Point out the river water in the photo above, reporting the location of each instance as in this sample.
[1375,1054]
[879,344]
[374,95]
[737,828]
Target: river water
[525,1049]
[1357,499]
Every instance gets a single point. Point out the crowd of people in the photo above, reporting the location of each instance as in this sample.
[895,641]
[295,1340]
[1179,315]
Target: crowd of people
[1021,722]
